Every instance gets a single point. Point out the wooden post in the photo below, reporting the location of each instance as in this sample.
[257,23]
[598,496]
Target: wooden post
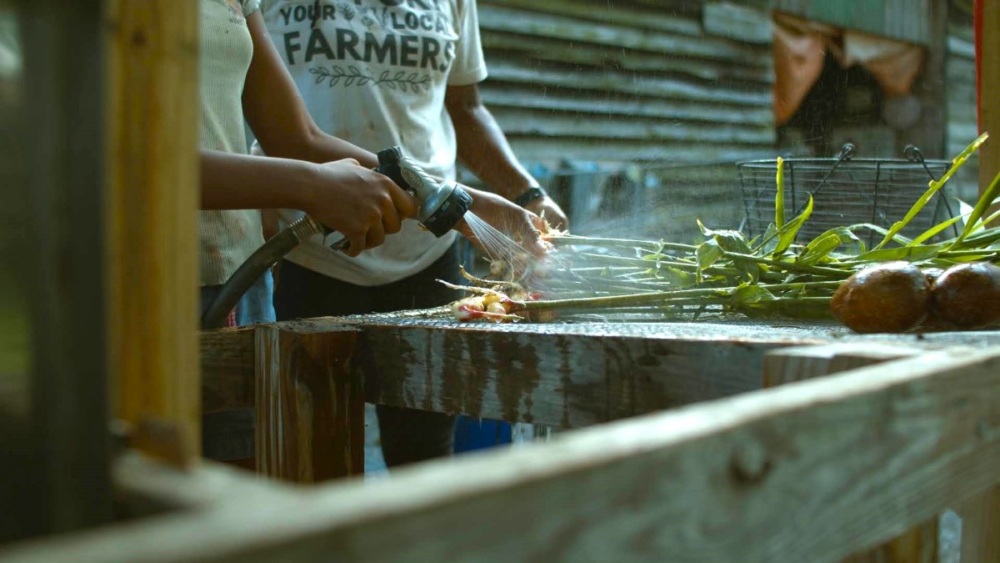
[153,224]
[981,514]
[988,42]
[917,545]
[67,471]
[310,404]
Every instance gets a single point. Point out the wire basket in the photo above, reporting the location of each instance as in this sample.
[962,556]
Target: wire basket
[846,191]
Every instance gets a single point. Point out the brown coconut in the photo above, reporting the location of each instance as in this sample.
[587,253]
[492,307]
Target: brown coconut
[889,297]
[968,295]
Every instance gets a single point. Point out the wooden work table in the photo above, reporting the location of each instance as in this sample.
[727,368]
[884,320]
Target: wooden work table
[308,379]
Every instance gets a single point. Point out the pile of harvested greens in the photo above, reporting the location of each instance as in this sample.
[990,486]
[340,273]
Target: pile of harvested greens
[767,276]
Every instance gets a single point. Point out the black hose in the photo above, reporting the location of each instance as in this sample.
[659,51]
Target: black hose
[253,268]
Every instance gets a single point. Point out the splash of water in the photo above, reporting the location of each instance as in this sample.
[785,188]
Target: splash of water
[517,264]
[498,246]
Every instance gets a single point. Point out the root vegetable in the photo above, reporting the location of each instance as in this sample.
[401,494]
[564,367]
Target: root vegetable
[889,297]
[968,295]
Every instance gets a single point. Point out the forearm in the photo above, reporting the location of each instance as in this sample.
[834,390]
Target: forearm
[316,146]
[234,181]
[484,150]
[278,116]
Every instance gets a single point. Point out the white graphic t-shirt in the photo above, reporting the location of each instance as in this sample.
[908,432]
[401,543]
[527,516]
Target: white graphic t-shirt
[374,72]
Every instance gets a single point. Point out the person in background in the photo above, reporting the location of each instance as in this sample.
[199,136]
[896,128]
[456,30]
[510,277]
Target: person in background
[381,73]
[244,81]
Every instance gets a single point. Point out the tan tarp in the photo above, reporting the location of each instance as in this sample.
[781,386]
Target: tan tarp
[800,48]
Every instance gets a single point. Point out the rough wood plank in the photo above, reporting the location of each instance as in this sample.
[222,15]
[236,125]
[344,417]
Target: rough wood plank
[961,47]
[803,472]
[153,228]
[227,366]
[980,522]
[660,20]
[145,487]
[310,404]
[734,21]
[568,29]
[622,368]
[622,105]
[565,381]
[808,362]
[981,515]
[630,150]
[929,131]
[517,121]
[624,82]
[917,545]
[502,44]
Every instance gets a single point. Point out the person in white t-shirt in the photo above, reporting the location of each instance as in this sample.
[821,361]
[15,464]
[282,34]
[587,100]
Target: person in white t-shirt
[244,81]
[381,73]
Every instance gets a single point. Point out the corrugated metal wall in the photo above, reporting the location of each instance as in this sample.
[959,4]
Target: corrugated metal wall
[684,88]
[960,101]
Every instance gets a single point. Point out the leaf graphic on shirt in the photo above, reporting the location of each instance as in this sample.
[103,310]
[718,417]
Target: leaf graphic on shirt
[355,76]
[347,11]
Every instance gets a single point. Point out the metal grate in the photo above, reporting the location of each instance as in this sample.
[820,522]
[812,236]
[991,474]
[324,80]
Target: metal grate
[846,191]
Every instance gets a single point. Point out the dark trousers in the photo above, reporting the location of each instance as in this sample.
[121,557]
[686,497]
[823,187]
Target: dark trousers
[408,435]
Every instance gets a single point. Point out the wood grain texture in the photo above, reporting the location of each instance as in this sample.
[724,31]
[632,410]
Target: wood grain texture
[981,515]
[144,486]
[153,229]
[804,472]
[920,543]
[227,366]
[309,404]
[564,375]
[981,527]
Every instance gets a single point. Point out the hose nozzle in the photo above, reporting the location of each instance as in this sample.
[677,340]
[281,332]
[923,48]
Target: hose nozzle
[442,204]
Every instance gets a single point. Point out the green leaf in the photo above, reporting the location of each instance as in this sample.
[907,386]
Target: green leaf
[708,253]
[821,247]
[907,253]
[787,233]
[779,194]
[932,189]
[749,294]
[931,232]
[981,207]
[768,242]
[737,243]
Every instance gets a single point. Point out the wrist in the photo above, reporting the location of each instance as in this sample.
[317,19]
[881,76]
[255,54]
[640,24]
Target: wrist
[530,195]
[303,188]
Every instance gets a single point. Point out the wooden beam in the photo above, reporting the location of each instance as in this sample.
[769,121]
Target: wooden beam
[981,515]
[62,209]
[920,543]
[144,487]
[228,368]
[310,420]
[567,380]
[563,375]
[153,224]
[804,472]
[981,527]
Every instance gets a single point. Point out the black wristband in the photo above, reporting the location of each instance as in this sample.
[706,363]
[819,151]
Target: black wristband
[532,193]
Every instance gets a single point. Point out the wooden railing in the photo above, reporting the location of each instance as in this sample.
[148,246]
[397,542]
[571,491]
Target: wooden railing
[817,470]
